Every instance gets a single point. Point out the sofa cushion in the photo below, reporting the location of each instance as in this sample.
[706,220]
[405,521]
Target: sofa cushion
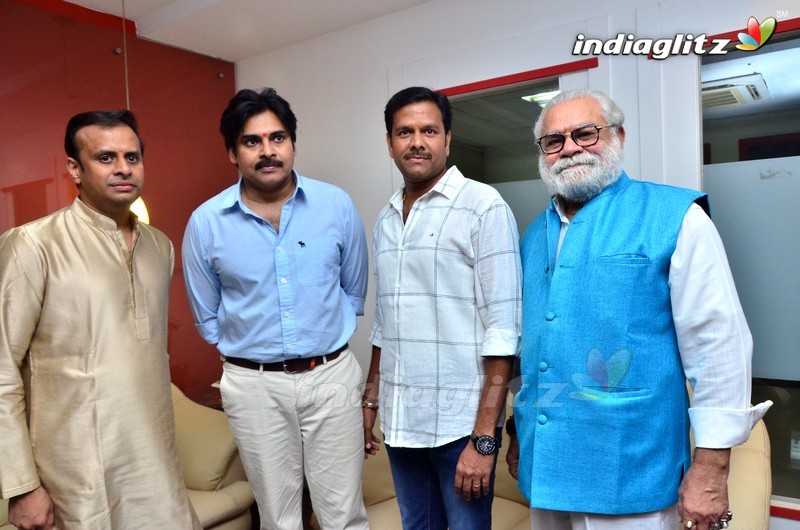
[505,486]
[385,515]
[510,515]
[4,524]
[750,480]
[378,486]
[214,507]
[206,448]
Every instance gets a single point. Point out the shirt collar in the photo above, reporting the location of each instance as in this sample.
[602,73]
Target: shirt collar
[447,186]
[233,195]
[614,187]
[98,219]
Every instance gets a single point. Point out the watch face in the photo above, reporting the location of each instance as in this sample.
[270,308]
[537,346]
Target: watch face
[485,445]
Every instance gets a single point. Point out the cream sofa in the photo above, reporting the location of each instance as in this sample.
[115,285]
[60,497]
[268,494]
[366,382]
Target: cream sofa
[749,489]
[210,464]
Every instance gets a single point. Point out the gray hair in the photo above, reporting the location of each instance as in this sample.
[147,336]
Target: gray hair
[609,110]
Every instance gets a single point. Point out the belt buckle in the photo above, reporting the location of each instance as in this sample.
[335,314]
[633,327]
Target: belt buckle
[286,369]
[312,363]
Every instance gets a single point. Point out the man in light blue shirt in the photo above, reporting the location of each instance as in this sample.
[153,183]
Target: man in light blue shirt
[276,272]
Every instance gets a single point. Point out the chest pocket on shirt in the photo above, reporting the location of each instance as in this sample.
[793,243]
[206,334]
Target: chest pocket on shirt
[317,260]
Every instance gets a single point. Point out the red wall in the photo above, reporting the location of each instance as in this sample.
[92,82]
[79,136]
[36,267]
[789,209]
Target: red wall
[57,60]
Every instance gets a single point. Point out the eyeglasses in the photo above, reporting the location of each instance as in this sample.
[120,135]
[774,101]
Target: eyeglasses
[583,136]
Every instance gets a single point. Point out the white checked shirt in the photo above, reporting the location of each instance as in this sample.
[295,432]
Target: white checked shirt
[448,293]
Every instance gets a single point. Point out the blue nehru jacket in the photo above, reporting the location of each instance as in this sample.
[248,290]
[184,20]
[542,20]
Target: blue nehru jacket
[602,416]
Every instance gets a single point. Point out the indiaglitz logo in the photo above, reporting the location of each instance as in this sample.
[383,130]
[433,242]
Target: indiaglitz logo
[602,375]
[681,44]
[757,34]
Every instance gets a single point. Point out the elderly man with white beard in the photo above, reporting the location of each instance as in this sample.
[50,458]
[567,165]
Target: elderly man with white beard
[627,295]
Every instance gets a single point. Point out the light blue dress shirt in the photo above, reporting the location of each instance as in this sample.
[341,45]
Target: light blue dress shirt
[267,296]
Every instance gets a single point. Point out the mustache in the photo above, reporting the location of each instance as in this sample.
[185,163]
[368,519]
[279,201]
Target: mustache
[268,162]
[417,154]
[581,158]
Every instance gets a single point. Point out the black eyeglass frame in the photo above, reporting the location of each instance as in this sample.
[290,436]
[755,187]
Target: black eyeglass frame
[598,128]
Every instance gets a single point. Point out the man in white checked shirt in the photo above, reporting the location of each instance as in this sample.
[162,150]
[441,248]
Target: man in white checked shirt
[446,326]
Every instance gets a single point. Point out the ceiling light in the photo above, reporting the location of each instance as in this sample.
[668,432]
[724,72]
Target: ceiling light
[541,98]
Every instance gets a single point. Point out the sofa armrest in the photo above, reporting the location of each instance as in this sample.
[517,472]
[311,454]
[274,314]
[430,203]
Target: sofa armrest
[215,507]
[206,447]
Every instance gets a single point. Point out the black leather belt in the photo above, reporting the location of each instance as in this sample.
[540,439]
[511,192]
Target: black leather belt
[290,366]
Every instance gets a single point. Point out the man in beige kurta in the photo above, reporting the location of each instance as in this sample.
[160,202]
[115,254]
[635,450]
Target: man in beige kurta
[85,402]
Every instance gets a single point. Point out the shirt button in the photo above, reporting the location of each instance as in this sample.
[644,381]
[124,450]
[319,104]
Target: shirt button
[542,366]
[283,280]
[286,314]
[289,346]
[542,419]
[549,316]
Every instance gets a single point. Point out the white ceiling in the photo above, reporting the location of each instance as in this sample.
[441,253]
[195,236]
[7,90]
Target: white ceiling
[234,30]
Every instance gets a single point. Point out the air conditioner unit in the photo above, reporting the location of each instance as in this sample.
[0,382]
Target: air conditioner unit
[734,91]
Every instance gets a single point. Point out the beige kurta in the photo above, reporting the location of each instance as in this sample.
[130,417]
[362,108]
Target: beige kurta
[85,404]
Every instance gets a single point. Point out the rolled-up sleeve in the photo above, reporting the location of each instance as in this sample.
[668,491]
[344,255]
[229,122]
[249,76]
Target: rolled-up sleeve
[715,343]
[498,279]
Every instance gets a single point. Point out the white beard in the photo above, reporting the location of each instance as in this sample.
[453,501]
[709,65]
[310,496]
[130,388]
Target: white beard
[591,175]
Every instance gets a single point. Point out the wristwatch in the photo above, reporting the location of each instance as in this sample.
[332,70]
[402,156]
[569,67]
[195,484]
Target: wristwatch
[485,444]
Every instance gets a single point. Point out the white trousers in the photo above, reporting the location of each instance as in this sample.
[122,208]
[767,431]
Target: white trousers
[288,424]
[666,519]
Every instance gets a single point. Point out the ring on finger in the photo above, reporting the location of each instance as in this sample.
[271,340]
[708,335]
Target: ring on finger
[722,524]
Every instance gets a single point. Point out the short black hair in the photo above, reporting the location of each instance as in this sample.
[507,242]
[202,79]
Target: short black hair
[415,94]
[103,118]
[248,103]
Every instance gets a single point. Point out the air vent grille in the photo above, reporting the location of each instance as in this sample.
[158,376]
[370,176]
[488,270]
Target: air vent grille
[734,91]
[722,98]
